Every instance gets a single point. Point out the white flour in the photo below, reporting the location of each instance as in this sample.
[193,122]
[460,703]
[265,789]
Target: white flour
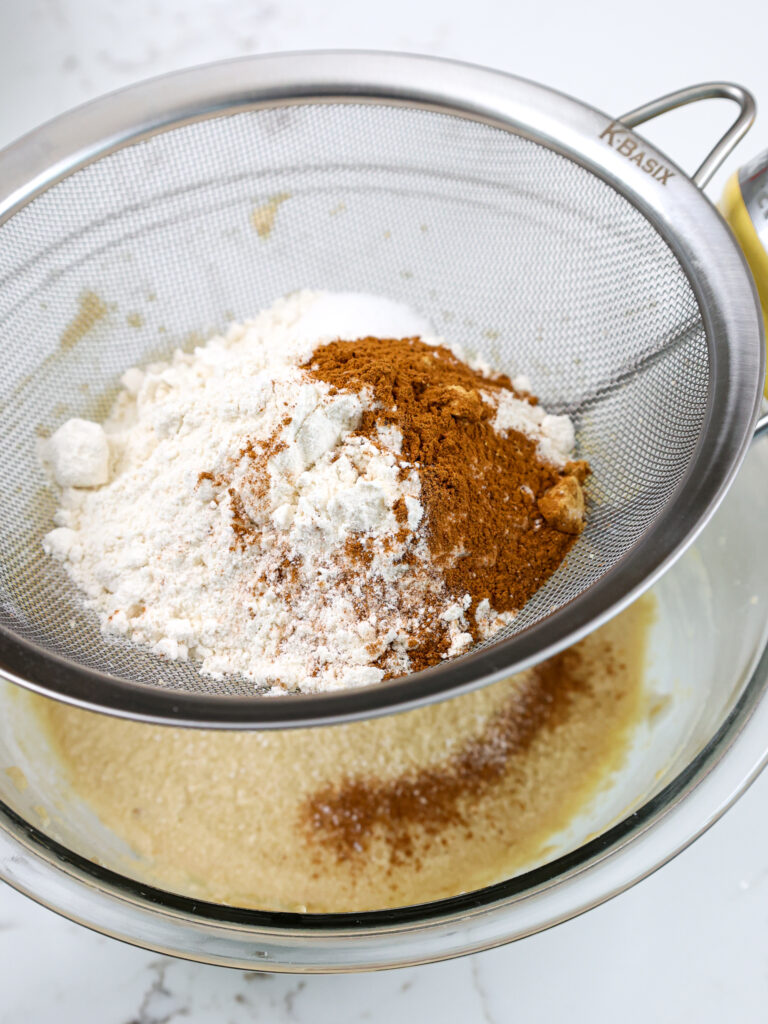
[555,434]
[236,487]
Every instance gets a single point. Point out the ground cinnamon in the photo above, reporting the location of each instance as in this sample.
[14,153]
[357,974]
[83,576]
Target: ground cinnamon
[499,518]
[421,804]
[496,518]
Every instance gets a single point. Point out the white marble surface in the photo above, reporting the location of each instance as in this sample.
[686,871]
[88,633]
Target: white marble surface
[687,944]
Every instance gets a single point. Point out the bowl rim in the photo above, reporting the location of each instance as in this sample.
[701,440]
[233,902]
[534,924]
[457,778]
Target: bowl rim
[142,915]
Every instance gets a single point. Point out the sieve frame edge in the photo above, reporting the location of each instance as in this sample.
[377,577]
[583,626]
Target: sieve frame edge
[683,216]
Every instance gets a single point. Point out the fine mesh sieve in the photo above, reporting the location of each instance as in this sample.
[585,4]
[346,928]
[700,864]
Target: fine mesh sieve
[527,227]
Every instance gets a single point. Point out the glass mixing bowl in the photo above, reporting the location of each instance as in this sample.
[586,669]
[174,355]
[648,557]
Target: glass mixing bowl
[704,740]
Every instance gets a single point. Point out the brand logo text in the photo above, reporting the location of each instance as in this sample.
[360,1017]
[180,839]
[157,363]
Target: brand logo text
[620,139]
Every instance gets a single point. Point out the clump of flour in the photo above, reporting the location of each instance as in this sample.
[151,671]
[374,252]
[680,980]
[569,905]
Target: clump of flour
[241,521]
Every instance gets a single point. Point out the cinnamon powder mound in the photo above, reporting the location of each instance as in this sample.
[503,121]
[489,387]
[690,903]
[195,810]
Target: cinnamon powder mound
[499,518]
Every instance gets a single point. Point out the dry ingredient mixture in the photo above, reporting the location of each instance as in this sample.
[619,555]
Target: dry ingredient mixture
[388,812]
[325,497]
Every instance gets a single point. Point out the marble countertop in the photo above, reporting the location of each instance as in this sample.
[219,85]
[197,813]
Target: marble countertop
[687,944]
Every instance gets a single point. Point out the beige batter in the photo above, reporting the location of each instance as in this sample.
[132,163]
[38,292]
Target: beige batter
[383,813]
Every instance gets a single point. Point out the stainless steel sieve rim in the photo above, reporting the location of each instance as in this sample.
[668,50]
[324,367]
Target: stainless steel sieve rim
[677,209]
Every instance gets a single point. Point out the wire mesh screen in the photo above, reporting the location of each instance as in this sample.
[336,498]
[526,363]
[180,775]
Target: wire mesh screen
[513,251]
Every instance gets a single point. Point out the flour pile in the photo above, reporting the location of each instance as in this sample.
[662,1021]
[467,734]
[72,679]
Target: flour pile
[230,511]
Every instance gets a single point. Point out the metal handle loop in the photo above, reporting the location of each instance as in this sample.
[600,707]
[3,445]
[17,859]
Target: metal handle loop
[705,91]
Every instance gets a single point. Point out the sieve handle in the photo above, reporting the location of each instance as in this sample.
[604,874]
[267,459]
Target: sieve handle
[694,93]
[761,427]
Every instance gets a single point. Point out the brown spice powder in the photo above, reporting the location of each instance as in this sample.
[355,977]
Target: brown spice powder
[345,818]
[498,519]
[481,491]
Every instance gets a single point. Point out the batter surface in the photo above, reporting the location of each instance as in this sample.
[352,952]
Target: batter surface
[390,812]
